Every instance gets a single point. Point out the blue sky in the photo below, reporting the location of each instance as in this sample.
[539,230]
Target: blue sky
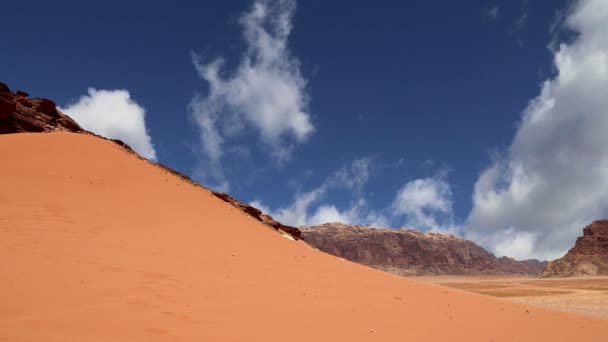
[412,113]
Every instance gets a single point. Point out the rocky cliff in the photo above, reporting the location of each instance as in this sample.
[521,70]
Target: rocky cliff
[21,114]
[588,257]
[410,252]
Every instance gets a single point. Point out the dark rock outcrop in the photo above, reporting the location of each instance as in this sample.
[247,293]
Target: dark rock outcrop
[20,114]
[588,257]
[410,252]
[247,209]
[258,215]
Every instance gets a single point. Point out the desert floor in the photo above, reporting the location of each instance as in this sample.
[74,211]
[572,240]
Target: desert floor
[588,296]
[99,245]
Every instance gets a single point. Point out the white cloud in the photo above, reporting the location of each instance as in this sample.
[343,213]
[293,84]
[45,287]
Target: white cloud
[521,22]
[329,213]
[298,213]
[426,205]
[357,213]
[266,93]
[492,12]
[423,204]
[518,245]
[308,209]
[113,114]
[353,176]
[553,180]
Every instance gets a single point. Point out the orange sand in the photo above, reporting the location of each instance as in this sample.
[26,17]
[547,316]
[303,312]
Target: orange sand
[98,245]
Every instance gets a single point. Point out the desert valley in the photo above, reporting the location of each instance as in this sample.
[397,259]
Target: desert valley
[99,244]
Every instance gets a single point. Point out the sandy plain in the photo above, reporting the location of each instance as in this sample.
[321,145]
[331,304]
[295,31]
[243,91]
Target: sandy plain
[99,245]
[582,295]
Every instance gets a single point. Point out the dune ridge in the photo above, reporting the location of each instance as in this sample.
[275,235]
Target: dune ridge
[21,114]
[98,245]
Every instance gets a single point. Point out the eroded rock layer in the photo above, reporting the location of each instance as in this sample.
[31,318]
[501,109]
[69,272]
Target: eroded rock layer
[410,252]
[588,257]
[20,114]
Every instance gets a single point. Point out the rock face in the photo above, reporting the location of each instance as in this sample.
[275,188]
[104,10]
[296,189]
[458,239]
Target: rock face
[408,252]
[20,114]
[588,257]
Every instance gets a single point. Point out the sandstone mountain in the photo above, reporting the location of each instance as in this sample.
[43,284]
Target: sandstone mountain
[21,114]
[588,257]
[409,252]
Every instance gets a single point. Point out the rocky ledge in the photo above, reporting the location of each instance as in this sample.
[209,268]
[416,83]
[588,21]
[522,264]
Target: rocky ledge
[588,257]
[409,252]
[20,114]
[259,215]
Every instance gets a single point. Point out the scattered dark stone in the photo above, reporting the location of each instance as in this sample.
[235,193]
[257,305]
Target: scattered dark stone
[123,144]
[257,214]
[175,172]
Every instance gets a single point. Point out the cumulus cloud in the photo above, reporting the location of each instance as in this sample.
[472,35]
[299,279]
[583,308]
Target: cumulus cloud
[298,212]
[308,208]
[113,114]
[426,204]
[553,180]
[422,204]
[329,213]
[265,94]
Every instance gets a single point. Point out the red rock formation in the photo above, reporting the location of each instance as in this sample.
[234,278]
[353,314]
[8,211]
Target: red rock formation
[258,215]
[508,265]
[588,257]
[410,252]
[20,114]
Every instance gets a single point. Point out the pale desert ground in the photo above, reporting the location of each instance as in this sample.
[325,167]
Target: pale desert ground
[584,295]
[98,245]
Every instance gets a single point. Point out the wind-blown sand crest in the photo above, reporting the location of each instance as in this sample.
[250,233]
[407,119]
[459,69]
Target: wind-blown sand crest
[98,245]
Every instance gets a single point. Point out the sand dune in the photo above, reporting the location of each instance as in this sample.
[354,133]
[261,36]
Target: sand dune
[98,245]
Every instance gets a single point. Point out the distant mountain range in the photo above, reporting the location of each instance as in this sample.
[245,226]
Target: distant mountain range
[409,252]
